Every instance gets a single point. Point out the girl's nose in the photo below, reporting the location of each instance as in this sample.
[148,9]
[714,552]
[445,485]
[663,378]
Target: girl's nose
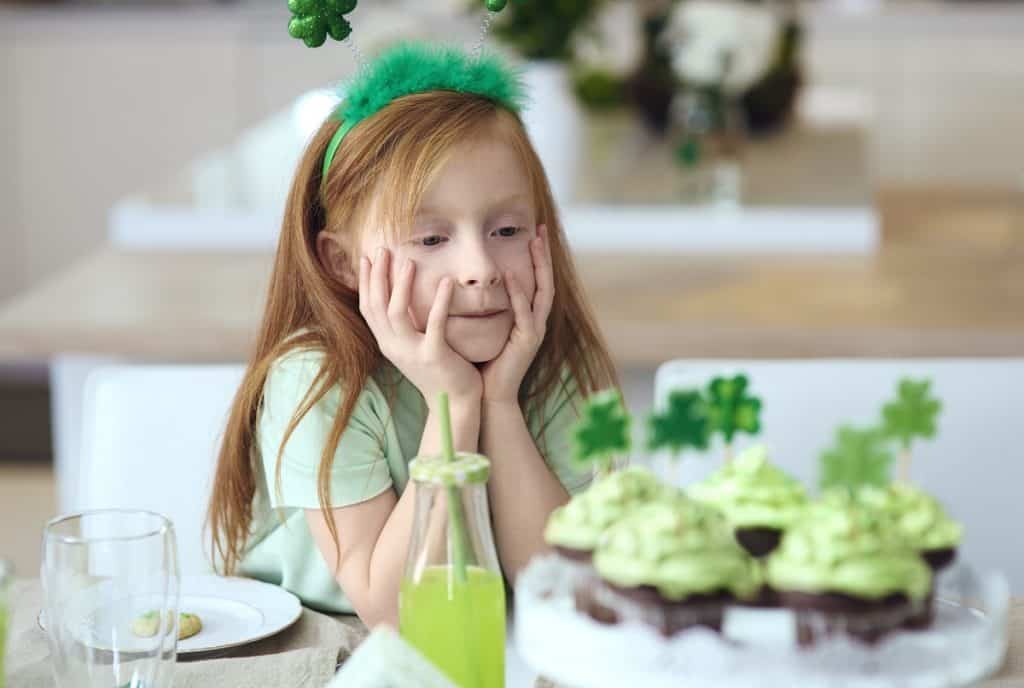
[478,269]
[490,281]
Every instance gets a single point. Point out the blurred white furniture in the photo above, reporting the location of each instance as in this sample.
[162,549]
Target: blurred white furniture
[975,464]
[68,373]
[150,436]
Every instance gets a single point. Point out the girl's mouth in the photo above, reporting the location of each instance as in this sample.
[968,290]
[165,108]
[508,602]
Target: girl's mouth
[482,315]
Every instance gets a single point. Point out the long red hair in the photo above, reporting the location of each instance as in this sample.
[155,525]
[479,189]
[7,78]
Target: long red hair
[393,154]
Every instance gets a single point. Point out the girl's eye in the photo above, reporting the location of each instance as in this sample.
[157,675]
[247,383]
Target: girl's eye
[509,231]
[432,240]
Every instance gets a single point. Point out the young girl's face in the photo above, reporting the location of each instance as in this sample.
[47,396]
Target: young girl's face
[474,225]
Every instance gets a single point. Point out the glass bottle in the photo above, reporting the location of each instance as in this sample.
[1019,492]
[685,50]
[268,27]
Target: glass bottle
[452,599]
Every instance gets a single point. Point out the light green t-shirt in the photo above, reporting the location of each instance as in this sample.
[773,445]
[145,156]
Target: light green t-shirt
[373,456]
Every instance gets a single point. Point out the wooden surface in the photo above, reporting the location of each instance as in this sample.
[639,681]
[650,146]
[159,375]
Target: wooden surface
[948,281]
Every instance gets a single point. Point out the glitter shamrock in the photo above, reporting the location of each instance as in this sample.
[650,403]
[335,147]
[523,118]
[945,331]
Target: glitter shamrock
[314,20]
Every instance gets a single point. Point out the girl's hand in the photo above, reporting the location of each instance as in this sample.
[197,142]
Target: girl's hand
[503,376]
[424,358]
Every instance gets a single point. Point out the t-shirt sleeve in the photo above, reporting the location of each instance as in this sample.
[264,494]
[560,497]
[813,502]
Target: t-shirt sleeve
[360,470]
[553,430]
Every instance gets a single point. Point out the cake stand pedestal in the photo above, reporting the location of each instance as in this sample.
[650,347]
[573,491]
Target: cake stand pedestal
[966,643]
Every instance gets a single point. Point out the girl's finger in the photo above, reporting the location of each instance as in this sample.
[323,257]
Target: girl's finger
[365,270]
[520,305]
[438,318]
[364,283]
[398,309]
[544,276]
[378,285]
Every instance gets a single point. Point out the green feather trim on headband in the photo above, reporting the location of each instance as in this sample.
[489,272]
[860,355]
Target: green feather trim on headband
[418,68]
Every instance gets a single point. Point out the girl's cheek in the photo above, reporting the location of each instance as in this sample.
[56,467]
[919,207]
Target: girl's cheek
[422,300]
[521,265]
[526,279]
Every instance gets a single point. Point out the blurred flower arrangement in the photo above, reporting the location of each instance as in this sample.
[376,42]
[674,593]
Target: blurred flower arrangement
[703,74]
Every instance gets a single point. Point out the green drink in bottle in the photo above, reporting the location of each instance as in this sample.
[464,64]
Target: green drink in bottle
[459,627]
[452,599]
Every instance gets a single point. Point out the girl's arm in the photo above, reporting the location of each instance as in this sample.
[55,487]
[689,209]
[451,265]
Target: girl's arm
[373,536]
[522,490]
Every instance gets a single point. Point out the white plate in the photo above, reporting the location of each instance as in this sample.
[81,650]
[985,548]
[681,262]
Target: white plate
[233,611]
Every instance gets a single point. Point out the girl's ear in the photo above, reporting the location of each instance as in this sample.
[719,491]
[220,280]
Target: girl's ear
[335,259]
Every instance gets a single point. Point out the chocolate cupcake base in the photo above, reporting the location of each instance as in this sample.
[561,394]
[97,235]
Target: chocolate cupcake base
[924,617]
[937,559]
[758,541]
[940,558]
[819,615]
[611,604]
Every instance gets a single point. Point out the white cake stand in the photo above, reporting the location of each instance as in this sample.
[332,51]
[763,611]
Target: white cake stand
[757,646]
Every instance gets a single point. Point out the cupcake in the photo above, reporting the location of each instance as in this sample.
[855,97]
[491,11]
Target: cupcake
[925,527]
[842,568]
[758,499]
[672,564]
[573,530]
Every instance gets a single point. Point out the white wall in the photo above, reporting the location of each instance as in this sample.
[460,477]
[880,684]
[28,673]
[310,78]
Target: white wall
[102,103]
[945,82]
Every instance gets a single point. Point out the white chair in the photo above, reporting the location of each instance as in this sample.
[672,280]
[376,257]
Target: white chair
[68,373]
[975,464]
[150,435]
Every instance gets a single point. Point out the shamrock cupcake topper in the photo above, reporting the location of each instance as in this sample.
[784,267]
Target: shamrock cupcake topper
[684,423]
[863,456]
[731,410]
[912,414]
[859,457]
[689,420]
[603,431]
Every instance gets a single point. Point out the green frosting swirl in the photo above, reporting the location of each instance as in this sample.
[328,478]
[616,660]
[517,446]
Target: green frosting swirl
[918,516]
[751,492]
[680,547]
[841,547]
[580,523]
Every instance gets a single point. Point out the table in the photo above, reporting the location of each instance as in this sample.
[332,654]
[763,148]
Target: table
[947,281]
[304,655]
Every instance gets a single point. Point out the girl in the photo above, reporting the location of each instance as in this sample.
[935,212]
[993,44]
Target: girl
[426,255]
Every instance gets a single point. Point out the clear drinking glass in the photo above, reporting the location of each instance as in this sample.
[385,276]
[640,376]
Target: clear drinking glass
[103,572]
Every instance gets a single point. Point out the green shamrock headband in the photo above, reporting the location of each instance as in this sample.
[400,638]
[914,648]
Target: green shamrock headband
[407,68]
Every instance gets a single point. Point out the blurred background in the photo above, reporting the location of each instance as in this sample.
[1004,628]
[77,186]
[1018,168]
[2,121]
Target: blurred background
[757,180]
